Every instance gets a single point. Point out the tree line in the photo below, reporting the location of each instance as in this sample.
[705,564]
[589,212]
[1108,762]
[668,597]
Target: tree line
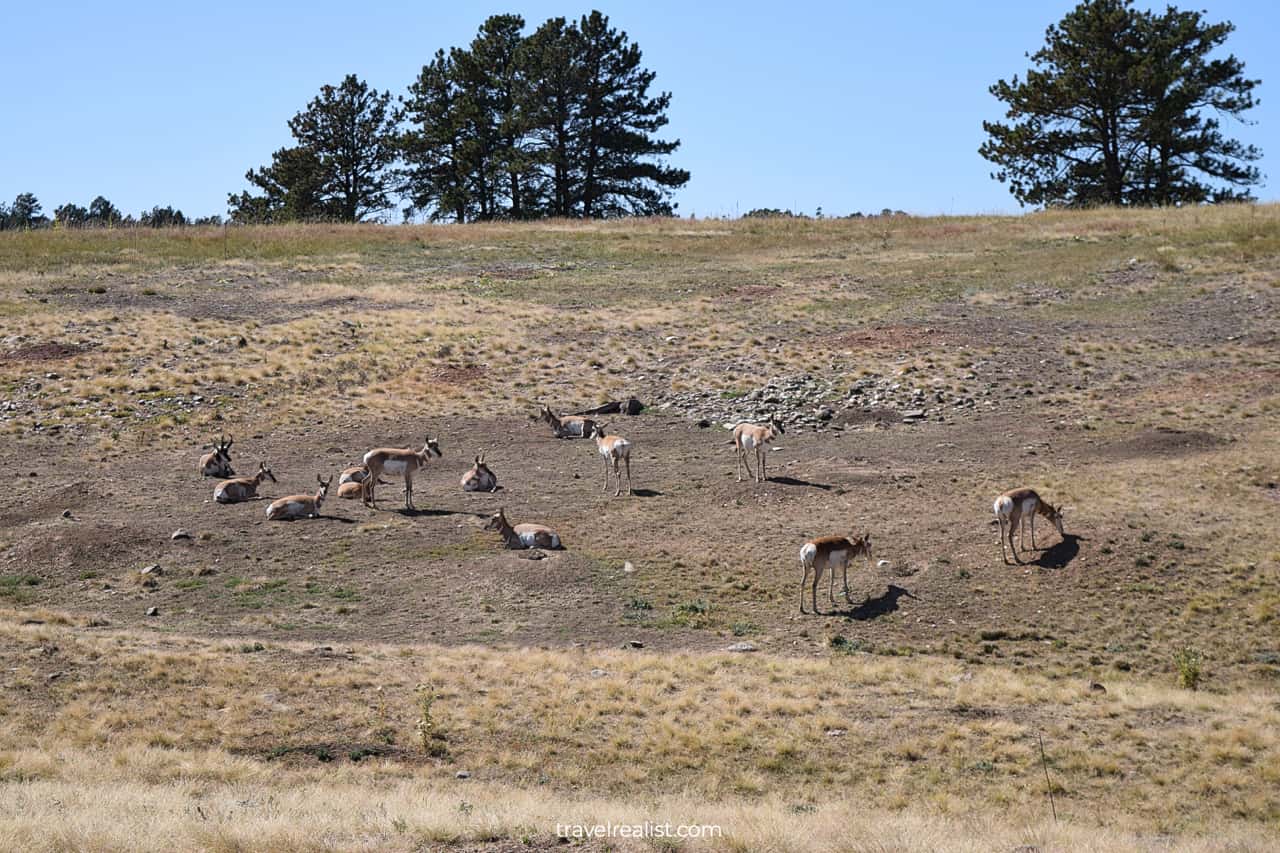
[26,212]
[559,122]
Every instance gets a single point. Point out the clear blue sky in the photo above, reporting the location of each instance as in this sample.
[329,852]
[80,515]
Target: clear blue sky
[851,106]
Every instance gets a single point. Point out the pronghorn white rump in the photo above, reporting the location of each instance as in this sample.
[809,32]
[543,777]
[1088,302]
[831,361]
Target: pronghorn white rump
[828,553]
[1013,509]
[754,437]
[613,449]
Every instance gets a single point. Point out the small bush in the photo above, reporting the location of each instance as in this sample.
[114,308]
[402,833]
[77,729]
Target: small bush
[429,735]
[1190,663]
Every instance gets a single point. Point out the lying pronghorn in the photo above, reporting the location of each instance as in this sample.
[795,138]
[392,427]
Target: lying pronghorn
[754,436]
[480,478]
[397,461]
[613,449]
[569,426]
[299,506]
[351,482]
[522,535]
[242,488]
[830,553]
[1013,509]
[217,462]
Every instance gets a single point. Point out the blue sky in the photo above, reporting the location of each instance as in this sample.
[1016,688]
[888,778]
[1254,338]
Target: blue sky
[847,106]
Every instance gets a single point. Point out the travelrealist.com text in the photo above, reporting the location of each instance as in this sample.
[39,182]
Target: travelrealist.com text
[637,830]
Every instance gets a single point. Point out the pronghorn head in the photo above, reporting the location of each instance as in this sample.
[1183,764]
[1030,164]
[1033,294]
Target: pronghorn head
[480,467]
[264,473]
[430,448]
[498,520]
[776,424]
[324,487]
[1055,516]
[223,447]
[863,544]
[599,431]
[546,414]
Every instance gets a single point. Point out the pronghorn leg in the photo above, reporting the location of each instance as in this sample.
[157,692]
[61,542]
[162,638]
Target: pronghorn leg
[617,477]
[846,580]
[760,464]
[1016,559]
[817,579]
[627,460]
[606,475]
[1033,532]
[738,460]
[804,576]
[831,587]
[742,455]
[1003,556]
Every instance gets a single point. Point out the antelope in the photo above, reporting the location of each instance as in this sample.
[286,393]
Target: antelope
[299,506]
[522,535]
[397,461]
[569,426]
[480,478]
[754,436]
[351,482]
[242,488]
[217,462]
[1012,509]
[613,449]
[830,552]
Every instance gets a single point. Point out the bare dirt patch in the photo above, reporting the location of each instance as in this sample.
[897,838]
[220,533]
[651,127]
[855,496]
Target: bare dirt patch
[48,351]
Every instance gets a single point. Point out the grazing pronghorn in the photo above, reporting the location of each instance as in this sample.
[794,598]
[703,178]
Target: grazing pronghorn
[397,461]
[1013,509]
[522,536]
[613,449]
[480,478]
[242,488]
[754,436]
[569,426]
[299,506]
[830,553]
[217,462]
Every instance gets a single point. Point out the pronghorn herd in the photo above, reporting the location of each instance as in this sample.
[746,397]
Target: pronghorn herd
[1014,510]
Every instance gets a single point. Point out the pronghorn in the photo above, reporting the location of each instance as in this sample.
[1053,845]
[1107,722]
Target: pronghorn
[522,535]
[613,449]
[397,461]
[242,488]
[299,506]
[1013,508]
[830,552]
[569,426]
[217,462]
[351,482]
[753,436]
[480,478]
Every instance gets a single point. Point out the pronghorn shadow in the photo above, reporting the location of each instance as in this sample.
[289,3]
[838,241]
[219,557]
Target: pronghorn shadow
[1058,556]
[646,493]
[431,513]
[792,481]
[874,608]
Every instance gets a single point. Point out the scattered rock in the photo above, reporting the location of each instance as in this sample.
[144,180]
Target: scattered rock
[743,647]
[836,732]
[205,571]
[628,567]
[532,554]
[1095,687]
[598,673]
[66,513]
[635,644]
[54,676]
[462,774]
[883,564]
[180,533]
[153,611]
[153,569]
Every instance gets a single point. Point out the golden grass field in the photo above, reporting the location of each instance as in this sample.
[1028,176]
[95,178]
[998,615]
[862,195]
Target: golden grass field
[1124,363]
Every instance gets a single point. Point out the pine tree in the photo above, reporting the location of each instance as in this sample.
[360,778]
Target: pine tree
[1111,112]
[436,177]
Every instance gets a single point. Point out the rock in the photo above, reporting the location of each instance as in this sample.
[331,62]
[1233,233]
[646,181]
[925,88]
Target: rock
[205,571]
[913,415]
[180,533]
[153,569]
[883,564]
[835,732]
[153,611]
[628,567]
[66,513]
[532,554]
[462,774]
[743,647]
[635,644]
[1095,687]
[598,673]
[703,423]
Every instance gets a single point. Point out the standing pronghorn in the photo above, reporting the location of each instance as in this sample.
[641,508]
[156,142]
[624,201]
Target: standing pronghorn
[1013,509]
[569,426]
[520,536]
[242,488]
[830,553]
[217,462]
[613,449]
[299,506]
[397,461]
[480,478]
[748,436]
